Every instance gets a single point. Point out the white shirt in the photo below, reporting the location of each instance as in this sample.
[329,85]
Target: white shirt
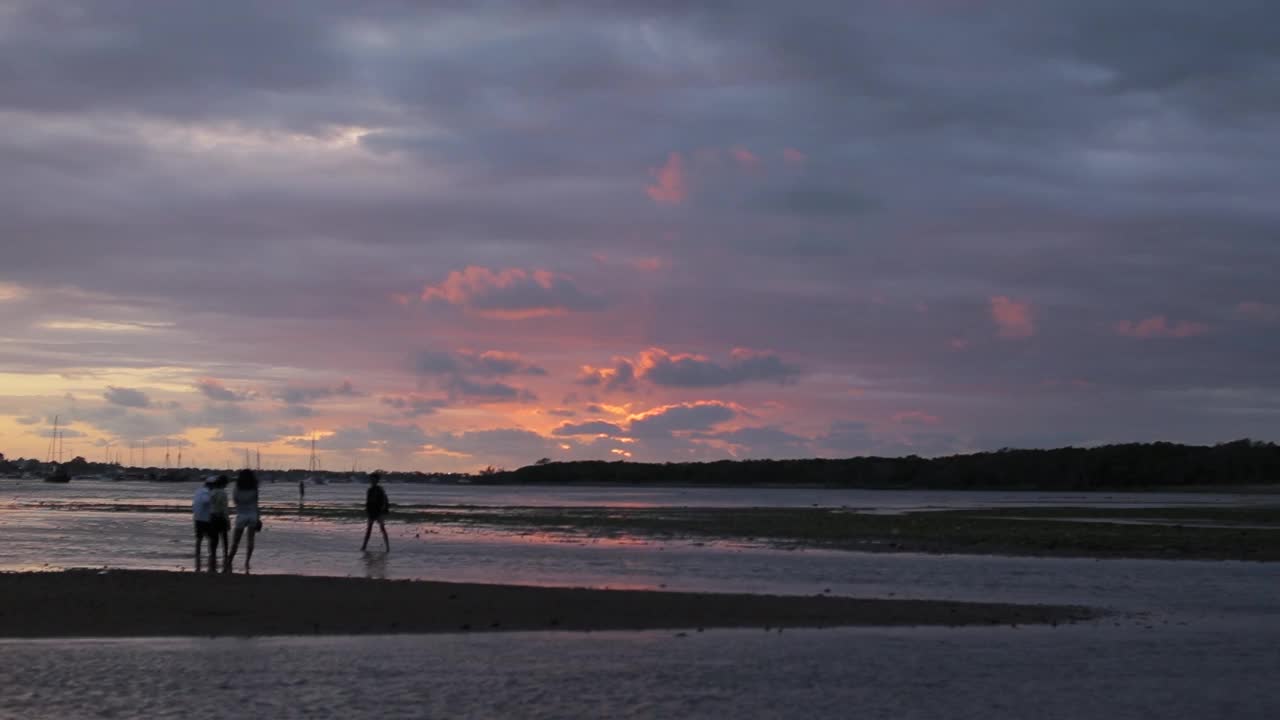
[202,505]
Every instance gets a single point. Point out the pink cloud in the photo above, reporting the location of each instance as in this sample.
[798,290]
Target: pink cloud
[958,344]
[1264,312]
[745,158]
[793,157]
[510,294]
[1013,317]
[670,187]
[1159,327]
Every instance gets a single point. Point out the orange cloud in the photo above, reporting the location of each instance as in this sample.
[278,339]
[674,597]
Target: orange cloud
[1013,317]
[670,187]
[793,157]
[1159,327]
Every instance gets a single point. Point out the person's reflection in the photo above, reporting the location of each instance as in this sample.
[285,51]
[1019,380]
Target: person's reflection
[375,566]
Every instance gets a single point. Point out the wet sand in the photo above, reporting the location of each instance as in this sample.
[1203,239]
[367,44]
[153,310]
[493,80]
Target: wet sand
[138,603]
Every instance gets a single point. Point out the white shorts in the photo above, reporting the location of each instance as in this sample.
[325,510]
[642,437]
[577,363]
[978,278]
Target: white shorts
[244,520]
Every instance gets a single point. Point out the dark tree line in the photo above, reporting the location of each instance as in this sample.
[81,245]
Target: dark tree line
[1136,465]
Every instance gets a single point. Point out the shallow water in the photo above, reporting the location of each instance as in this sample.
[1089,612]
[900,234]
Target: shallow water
[1045,673]
[1190,639]
[351,494]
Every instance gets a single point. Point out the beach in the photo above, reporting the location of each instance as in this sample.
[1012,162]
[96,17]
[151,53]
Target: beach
[102,603]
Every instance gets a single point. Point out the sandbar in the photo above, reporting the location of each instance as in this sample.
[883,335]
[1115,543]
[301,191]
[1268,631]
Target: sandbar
[145,603]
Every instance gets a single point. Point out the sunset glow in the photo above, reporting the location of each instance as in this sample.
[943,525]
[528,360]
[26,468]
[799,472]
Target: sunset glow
[446,239]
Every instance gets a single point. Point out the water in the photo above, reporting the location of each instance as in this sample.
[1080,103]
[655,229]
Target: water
[1189,639]
[1046,673]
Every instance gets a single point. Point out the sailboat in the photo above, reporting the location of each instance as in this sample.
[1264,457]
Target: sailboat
[59,474]
[314,466]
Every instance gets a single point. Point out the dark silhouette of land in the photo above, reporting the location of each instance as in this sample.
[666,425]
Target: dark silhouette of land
[1132,466]
[135,603]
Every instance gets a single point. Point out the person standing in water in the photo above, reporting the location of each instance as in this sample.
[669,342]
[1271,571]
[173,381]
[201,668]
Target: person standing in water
[246,496]
[376,507]
[201,509]
[302,491]
[219,523]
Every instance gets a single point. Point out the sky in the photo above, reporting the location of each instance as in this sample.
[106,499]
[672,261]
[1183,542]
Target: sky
[445,236]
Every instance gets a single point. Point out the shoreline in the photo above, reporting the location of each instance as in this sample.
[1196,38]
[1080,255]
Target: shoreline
[152,603]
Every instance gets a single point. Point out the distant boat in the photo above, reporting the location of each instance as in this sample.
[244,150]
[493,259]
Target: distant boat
[59,475]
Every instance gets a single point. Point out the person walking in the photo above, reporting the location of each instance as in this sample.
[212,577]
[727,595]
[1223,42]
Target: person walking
[376,507]
[219,523]
[201,508]
[246,497]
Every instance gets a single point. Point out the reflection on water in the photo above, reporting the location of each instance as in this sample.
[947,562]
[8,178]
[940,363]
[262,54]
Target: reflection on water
[375,564]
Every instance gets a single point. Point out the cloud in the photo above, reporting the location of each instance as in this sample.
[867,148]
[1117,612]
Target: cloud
[1071,157]
[488,363]
[745,159]
[847,438]
[257,434]
[373,436]
[915,417]
[127,397]
[511,294]
[765,442]
[415,405]
[1258,311]
[303,394]
[594,427]
[460,388]
[695,371]
[682,417]
[1012,317]
[497,446]
[1158,326]
[669,182]
[621,376]
[215,390]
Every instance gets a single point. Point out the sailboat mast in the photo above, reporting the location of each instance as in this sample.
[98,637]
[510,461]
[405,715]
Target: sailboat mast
[53,440]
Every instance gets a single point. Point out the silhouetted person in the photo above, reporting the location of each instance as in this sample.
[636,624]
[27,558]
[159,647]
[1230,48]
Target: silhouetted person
[219,523]
[302,490]
[246,496]
[201,507]
[376,506]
